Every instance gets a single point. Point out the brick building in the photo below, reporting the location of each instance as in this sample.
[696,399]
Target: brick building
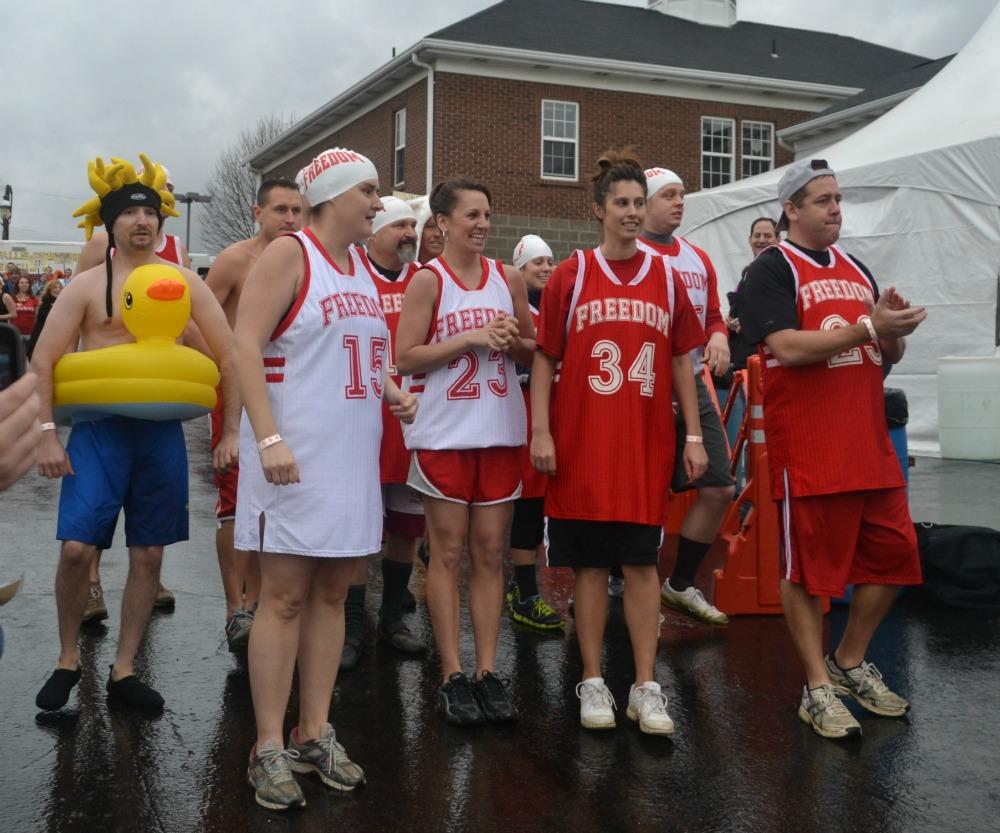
[525,95]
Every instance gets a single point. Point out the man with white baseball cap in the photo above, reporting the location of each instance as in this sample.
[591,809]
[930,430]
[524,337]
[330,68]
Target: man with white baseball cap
[664,213]
[392,252]
[825,333]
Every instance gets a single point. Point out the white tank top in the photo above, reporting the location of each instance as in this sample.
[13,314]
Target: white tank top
[325,368]
[474,400]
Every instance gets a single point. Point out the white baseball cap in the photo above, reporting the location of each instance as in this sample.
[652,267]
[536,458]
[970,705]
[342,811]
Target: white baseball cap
[657,178]
[394,209]
[333,172]
[528,248]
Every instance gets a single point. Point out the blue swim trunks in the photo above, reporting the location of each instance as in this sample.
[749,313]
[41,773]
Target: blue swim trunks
[137,465]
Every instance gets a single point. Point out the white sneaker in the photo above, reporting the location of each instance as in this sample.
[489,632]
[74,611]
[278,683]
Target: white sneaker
[647,705]
[616,586]
[692,603]
[597,705]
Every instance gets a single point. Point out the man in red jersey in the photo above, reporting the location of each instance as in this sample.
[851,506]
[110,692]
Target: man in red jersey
[664,213]
[277,210]
[824,332]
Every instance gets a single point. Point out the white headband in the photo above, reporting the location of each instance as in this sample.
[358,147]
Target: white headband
[422,209]
[395,209]
[333,172]
[528,248]
[657,178]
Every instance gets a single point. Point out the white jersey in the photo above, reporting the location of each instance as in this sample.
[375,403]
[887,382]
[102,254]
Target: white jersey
[697,280]
[325,369]
[474,401]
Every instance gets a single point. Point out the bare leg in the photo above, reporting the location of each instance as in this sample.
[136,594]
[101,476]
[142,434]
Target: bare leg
[232,566]
[804,616]
[320,642]
[137,604]
[523,558]
[76,561]
[274,639]
[447,526]
[95,567]
[251,577]
[359,572]
[642,613]
[487,534]
[869,605]
[703,519]
[401,548]
[590,599]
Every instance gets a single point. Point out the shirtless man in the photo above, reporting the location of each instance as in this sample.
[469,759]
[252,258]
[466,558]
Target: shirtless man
[118,462]
[168,247]
[278,211]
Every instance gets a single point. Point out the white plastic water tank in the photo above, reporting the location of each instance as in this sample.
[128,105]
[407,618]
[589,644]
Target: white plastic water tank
[969,407]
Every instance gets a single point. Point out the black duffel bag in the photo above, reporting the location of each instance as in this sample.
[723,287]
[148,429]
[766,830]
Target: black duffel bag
[961,565]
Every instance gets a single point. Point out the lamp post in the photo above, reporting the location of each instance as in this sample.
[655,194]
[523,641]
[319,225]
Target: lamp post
[187,199]
[6,210]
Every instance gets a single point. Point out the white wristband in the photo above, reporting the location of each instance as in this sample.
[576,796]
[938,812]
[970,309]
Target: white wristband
[48,426]
[694,438]
[267,442]
[864,319]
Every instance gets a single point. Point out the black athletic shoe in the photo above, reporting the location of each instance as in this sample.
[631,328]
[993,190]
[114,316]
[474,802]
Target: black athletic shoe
[457,702]
[55,692]
[350,656]
[491,694]
[133,692]
[423,553]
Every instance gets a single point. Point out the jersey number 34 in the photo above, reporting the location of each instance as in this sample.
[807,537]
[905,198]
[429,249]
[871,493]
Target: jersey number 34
[610,378]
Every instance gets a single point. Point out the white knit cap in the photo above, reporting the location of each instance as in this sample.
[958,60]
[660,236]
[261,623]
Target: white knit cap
[333,172]
[528,248]
[657,178]
[394,209]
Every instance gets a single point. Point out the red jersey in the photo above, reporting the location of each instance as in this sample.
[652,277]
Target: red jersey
[533,482]
[170,249]
[394,459]
[616,328]
[825,422]
[24,321]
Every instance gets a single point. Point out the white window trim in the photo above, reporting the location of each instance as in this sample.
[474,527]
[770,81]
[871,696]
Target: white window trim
[399,115]
[703,153]
[576,143]
[768,159]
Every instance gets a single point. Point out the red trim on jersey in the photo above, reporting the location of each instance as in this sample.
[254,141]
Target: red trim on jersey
[170,249]
[315,240]
[274,377]
[274,361]
[482,282]
[437,303]
[300,299]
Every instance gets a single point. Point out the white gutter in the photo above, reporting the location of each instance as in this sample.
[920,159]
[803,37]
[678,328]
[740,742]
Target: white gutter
[429,134]
[821,123]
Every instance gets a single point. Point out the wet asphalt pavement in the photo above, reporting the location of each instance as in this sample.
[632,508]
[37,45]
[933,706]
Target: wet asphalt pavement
[740,761]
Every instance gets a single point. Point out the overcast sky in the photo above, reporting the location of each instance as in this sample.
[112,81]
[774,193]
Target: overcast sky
[178,80]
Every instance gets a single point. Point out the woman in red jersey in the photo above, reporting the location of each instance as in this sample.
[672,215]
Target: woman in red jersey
[464,320]
[26,306]
[615,329]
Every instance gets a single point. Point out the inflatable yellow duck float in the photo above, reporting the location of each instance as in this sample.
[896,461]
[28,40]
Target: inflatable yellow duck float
[154,378]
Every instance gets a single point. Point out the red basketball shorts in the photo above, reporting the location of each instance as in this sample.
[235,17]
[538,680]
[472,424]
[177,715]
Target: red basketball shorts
[830,541]
[225,483]
[478,476]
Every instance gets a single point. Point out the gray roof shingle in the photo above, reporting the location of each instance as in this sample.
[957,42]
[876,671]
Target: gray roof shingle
[628,33]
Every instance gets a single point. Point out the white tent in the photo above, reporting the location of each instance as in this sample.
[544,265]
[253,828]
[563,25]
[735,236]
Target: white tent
[921,209]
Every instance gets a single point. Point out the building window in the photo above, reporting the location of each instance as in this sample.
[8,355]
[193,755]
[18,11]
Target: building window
[560,136]
[717,151]
[758,147]
[399,155]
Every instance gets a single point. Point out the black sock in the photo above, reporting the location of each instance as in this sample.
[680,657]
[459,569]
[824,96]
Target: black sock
[690,554]
[616,571]
[527,584]
[395,577]
[354,613]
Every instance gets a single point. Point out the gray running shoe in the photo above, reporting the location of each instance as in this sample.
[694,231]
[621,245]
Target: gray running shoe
[96,609]
[238,629]
[822,709]
[327,759]
[400,637]
[616,587]
[692,603]
[865,685]
[271,779]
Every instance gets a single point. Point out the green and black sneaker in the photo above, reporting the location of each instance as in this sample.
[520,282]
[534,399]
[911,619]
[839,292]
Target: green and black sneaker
[533,611]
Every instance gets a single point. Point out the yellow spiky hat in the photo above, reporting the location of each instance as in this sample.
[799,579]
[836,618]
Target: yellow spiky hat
[118,187]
